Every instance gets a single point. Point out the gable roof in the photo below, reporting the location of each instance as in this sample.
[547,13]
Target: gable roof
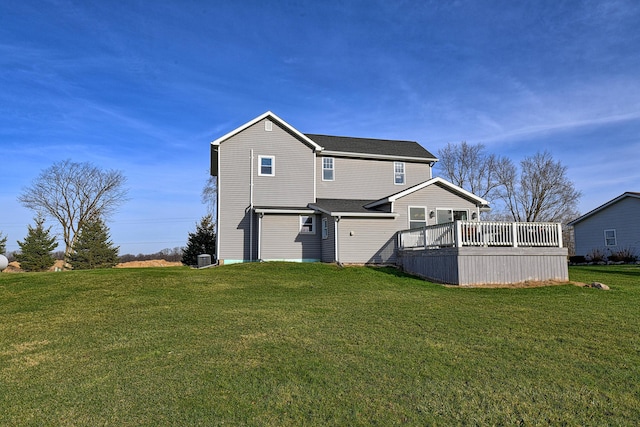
[274,118]
[372,148]
[604,206]
[438,181]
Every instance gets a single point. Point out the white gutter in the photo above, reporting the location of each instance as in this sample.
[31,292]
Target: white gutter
[251,210]
[377,156]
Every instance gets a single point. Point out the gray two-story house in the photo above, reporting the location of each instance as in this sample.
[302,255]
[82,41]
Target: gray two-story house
[286,195]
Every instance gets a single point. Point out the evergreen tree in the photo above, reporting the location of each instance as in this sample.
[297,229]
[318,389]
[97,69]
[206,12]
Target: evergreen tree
[93,249]
[203,241]
[3,243]
[35,251]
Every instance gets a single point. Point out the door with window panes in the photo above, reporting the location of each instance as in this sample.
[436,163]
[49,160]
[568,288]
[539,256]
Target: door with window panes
[450,215]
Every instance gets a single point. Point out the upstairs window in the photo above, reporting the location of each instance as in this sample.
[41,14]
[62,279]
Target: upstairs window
[307,224]
[610,238]
[267,165]
[327,168]
[398,173]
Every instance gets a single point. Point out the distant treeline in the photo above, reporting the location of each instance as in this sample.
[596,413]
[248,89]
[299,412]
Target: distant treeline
[171,255]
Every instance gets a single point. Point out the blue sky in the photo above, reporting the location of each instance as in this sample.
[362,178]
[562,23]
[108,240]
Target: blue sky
[144,86]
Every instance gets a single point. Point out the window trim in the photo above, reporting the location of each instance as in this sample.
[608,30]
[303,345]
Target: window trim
[426,217]
[325,228]
[332,169]
[273,165]
[403,173]
[614,237]
[302,223]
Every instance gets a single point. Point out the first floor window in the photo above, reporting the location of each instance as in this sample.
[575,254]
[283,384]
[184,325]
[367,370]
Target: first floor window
[267,165]
[398,173]
[327,168]
[610,238]
[325,228]
[450,215]
[307,224]
[417,216]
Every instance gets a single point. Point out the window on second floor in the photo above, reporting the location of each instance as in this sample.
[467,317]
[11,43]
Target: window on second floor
[327,168]
[398,173]
[267,165]
[610,237]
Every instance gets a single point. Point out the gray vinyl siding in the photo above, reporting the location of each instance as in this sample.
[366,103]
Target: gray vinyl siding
[621,216]
[367,179]
[367,240]
[292,185]
[432,197]
[329,244]
[281,239]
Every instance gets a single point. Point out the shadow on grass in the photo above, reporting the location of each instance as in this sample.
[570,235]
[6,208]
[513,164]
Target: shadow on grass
[394,271]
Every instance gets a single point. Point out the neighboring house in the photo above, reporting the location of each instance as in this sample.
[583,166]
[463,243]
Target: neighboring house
[609,228]
[285,195]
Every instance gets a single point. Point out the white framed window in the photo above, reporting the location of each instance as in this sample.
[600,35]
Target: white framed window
[327,168]
[307,224]
[450,215]
[325,228]
[610,237]
[398,173]
[266,165]
[417,216]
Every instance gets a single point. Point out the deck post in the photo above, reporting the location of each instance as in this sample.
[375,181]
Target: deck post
[559,235]
[514,234]
[458,234]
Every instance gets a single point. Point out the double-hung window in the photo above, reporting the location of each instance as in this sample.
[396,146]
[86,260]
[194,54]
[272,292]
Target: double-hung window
[327,168]
[398,173]
[417,216]
[267,166]
[307,224]
[610,237]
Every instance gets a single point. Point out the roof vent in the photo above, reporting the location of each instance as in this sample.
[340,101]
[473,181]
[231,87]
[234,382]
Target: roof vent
[268,125]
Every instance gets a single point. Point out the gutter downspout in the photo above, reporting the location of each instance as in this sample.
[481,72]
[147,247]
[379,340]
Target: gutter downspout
[251,210]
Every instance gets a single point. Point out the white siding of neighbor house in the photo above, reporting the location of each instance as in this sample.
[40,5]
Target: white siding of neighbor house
[367,179]
[292,185]
[621,216]
[281,239]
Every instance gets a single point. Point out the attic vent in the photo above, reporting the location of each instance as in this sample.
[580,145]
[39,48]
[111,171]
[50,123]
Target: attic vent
[268,125]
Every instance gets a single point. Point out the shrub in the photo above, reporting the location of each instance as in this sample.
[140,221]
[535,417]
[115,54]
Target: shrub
[627,255]
[577,259]
[596,255]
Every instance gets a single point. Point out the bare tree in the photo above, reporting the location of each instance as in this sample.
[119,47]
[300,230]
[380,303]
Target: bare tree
[541,192]
[74,193]
[470,167]
[209,195]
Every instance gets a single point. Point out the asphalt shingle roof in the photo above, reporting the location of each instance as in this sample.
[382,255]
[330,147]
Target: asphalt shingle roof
[385,147]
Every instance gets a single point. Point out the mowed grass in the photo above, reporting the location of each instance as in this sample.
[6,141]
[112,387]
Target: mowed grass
[313,344]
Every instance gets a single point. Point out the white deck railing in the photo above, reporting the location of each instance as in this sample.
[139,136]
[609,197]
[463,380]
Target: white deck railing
[482,233]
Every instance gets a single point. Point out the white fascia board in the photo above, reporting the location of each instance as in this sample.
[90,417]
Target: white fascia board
[601,207]
[438,180]
[284,211]
[377,156]
[275,118]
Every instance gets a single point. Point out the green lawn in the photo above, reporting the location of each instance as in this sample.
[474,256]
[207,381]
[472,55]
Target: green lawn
[313,344]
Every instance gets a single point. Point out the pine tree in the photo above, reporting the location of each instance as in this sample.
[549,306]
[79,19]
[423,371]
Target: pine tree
[35,251]
[3,243]
[93,249]
[203,241]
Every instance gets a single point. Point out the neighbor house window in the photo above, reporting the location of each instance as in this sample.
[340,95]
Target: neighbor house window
[307,224]
[398,173]
[610,238]
[417,216]
[325,228]
[327,168]
[267,165]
